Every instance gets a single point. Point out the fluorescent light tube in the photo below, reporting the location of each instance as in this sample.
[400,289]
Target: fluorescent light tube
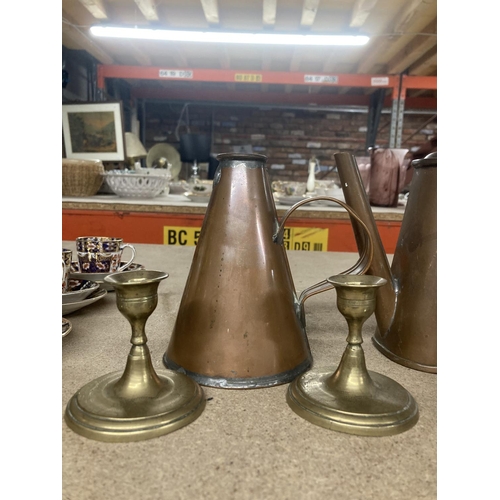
[227,37]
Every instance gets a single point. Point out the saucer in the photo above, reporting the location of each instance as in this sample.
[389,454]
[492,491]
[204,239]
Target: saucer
[75,306]
[198,197]
[74,273]
[290,200]
[66,327]
[79,290]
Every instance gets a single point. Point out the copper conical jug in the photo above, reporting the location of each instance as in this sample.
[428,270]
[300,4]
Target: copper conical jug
[406,309]
[240,322]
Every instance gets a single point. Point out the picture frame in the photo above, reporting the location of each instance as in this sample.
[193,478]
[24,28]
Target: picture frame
[94,131]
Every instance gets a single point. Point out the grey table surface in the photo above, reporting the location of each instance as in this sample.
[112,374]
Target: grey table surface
[247,444]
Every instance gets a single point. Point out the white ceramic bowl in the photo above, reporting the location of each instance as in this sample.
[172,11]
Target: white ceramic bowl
[134,185]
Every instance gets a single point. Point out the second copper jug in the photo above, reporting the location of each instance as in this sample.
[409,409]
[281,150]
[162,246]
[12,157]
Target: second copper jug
[406,310]
[240,322]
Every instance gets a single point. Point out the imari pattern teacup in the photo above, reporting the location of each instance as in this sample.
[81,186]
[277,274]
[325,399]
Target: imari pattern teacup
[101,254]
[66,265]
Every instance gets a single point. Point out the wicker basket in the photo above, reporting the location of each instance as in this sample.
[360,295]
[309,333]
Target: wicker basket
[81,177]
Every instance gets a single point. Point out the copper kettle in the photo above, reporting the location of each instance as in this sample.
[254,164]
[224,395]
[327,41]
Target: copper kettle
[240,323]
[406,310]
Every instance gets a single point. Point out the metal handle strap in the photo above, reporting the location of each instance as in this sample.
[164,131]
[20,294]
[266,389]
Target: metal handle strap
[365,252]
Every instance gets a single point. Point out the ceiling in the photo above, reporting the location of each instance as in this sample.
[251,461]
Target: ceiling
[403,38]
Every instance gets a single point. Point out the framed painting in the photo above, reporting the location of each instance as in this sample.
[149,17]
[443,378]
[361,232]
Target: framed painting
[93,131]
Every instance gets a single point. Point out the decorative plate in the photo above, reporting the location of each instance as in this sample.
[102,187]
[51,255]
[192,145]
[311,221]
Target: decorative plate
[79,290]
[75,306]
[75,273]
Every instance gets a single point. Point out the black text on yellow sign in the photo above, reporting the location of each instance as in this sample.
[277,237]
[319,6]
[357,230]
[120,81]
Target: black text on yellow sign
[311,239]
[181,236]
[247,77]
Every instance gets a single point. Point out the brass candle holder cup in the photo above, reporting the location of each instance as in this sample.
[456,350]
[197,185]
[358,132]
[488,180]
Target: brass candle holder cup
[352,399]
[138,403]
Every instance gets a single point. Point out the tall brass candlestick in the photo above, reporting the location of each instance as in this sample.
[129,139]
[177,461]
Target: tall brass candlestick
[352,399]
[138,403]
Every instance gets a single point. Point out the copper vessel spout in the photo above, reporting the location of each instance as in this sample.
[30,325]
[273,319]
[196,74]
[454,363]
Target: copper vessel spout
[240,322]
[406,309]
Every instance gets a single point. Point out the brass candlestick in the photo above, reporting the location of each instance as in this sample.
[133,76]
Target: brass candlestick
[352,399]
[138,403]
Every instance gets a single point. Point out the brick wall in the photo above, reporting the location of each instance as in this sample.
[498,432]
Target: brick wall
[287,137]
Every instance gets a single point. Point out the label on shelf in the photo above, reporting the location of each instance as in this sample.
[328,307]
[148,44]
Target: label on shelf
[176,73]
[309,239]
[247,77]
[321,79]
[379,80]
[181,236]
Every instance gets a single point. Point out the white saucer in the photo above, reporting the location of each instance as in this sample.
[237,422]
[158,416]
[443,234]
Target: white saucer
[75,306]
[79,290]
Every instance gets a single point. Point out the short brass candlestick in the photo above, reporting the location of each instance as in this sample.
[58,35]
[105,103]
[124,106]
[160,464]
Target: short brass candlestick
[352,399]
[138,403]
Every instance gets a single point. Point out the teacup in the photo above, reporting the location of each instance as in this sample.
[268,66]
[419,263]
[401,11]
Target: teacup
[66,266]
[101,254]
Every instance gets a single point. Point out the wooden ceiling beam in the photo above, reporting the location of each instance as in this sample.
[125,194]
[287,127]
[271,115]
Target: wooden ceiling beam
[140,56]
[360,12]
[211,11]
[269,13]
[80,39]
[148,9]
[414,50]
[96,8]
[406,15]
[425,66]
[411,10]
[309,11]
[179,58]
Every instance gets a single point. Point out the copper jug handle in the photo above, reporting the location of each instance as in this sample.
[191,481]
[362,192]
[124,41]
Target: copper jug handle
[365,252]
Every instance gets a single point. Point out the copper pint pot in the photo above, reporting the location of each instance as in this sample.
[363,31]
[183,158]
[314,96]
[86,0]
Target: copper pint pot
[240,322]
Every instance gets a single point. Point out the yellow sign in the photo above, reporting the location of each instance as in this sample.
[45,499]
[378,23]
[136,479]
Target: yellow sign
[310,239]
[247,77]
[181,236]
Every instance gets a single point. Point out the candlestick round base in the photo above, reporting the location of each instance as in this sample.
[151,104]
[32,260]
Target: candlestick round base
[386,409]
[97,412]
